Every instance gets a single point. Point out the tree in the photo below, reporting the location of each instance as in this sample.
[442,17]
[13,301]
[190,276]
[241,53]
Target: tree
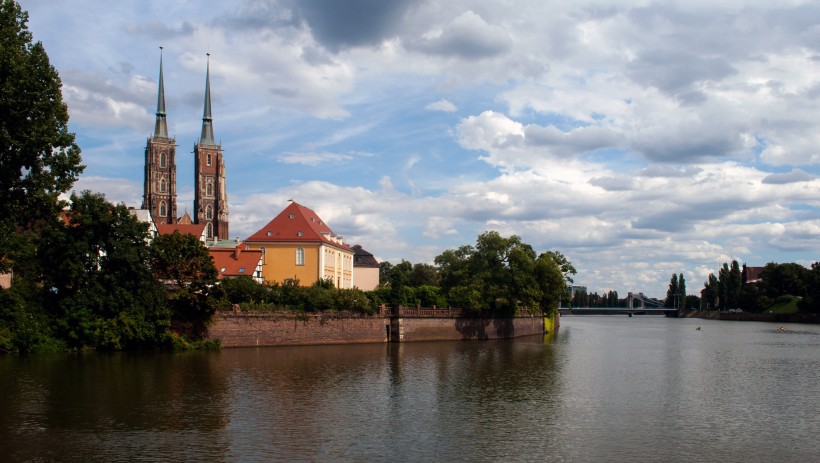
[39,158]
[551,279]
[182,262]
[811,303]
[672,293]
[784,279]
[710,293]
[681,291]
[503,275]
[98,288]
[424,275]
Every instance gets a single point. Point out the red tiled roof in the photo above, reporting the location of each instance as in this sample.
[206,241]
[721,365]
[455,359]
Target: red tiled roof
[196,230]
[297,223]
[235,261]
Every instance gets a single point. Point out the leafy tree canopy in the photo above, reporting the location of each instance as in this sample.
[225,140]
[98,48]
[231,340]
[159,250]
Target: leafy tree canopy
[39,158]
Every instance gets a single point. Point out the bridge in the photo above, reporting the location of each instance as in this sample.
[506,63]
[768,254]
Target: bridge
[667,311]
[646,306]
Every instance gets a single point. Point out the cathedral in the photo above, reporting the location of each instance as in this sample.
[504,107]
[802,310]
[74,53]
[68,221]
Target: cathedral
[160,191]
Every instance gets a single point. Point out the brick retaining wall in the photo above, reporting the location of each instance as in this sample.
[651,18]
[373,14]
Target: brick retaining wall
[242,330]
[282,329]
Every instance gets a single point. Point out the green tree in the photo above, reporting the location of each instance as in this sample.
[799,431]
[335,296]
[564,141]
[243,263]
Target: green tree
[710,293]
[503,275]
[551,270]
[424,275]
[672,292]
[39,158]
[784,279]
[811,303]
[681,291]
[735,282]
[183,264]
[98,287]
[400,274]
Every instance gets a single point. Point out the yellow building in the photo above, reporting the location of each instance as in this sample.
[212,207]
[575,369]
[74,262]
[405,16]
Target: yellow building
[298,246]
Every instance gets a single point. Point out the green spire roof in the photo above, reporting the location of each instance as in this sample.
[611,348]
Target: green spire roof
[161,127]
[207,137]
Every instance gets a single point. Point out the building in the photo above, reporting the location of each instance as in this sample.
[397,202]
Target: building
[210,194]
[144,216]
[237,261]
[751,274]
[196,230]
[299,247]
[365,268]
[160,187]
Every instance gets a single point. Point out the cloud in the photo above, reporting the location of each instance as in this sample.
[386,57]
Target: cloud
[353,23]
[313,159]
[442,105]
[468,36]
[794,176]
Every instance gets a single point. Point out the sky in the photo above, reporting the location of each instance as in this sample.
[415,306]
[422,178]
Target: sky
[640,139]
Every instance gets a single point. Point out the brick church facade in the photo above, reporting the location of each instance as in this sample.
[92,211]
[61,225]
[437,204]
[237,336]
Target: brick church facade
[210,195]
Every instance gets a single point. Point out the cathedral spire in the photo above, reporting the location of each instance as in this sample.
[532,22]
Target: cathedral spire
[161,127]
[207,137]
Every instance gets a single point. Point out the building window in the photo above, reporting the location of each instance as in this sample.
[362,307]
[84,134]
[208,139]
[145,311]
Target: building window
[162,209]
[300,256]
[162,159]
[241,269]
[292,216]
[300,233]
[209,159]
[162,186]
[209,213]
[209,189]
[210,229]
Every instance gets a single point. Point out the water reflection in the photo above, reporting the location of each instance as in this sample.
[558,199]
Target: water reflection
[602,389]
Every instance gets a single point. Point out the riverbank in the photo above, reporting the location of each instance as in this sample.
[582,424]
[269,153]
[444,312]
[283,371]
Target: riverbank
[754,317]
[293,329]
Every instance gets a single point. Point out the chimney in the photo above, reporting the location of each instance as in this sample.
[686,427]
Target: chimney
[237,250]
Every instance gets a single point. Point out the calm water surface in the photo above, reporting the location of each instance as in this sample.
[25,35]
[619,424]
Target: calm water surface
[603,389]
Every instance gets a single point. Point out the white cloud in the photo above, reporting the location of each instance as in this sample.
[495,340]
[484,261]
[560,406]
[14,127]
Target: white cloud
[442,105]
[640,139]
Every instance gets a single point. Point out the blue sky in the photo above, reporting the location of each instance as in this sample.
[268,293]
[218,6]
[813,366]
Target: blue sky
[639,139]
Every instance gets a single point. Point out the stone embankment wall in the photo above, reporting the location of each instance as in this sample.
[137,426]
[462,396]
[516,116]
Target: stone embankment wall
[282,329]
[278,329]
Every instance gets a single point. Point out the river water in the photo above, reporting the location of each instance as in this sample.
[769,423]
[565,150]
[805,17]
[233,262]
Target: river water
[608,388]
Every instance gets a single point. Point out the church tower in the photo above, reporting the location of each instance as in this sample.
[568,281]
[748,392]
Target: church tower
[160,190]
[210,195]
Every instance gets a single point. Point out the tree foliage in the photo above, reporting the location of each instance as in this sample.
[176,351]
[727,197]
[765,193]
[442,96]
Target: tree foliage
[672,292]
[98,287]
[39,158]
[182,262]
[503,275]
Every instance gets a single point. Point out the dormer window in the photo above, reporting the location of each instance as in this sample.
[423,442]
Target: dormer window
[270,233]
[292,216]
[242,270]
[300,233]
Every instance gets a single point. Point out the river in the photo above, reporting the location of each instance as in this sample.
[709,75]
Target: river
[604,388]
